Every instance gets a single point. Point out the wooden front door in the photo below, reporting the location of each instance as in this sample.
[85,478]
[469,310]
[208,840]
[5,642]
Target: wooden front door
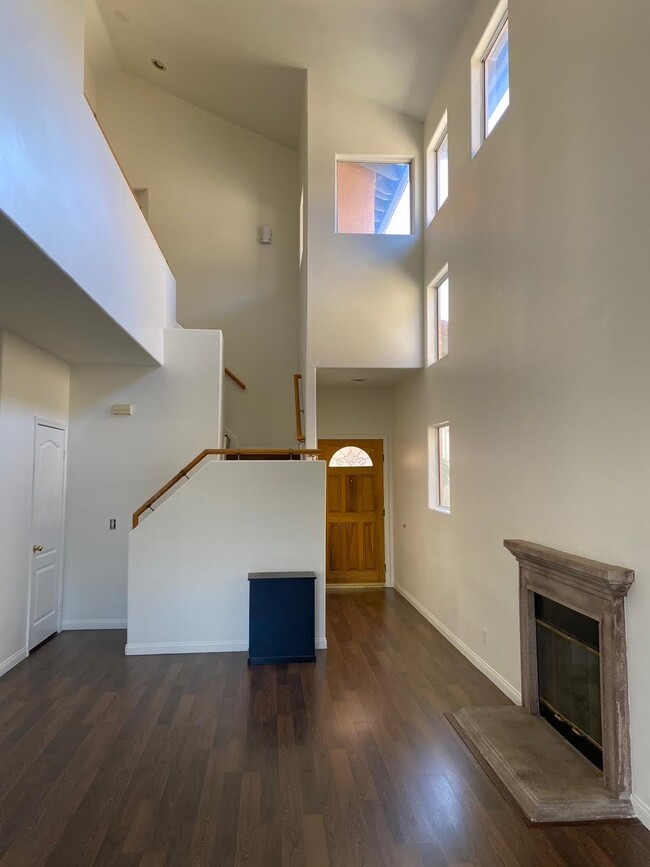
[355,511]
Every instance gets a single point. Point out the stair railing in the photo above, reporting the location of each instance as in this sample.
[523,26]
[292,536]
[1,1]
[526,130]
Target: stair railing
[235,379]
[227,454]
[297,400]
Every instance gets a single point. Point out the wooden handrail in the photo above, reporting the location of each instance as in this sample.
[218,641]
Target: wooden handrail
[289,454]
[297,400]
[235,379]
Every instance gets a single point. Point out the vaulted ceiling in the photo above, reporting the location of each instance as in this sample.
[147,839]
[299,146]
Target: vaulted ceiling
[245,59]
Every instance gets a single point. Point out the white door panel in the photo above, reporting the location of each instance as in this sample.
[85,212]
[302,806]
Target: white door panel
[45,592]
[47,562]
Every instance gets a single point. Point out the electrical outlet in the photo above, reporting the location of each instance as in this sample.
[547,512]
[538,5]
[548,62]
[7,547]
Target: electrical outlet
[112,524]
[484,635]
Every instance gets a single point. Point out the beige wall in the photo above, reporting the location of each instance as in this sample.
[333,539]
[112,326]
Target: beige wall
[32,384]
[354,412]
[364,290]
[211,186]
[99,55]
[90,86]
[546,381]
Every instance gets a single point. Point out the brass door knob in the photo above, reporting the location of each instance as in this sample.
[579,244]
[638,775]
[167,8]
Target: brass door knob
[37,548]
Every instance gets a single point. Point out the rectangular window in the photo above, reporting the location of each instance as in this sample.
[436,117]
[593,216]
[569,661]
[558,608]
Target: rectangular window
[442,319]
[496,73]
[301,229]
[438,318]
[373,198]
[439,466]
[490,70]
[438,169]
[442,171]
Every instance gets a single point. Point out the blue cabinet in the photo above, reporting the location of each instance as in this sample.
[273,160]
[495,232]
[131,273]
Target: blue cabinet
[281,617]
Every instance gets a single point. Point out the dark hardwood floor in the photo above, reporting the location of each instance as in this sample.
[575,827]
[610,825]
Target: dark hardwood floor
[197,760]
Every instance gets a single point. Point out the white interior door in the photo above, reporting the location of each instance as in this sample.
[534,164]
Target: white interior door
[47,558]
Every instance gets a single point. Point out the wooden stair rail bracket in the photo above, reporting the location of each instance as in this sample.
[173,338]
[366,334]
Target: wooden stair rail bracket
[262,454]
[235,379]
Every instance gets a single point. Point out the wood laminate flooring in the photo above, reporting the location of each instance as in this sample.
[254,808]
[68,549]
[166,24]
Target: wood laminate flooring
[199,760]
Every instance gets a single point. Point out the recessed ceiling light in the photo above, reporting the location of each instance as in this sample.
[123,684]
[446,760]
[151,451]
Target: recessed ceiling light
[121,15]
[158,64]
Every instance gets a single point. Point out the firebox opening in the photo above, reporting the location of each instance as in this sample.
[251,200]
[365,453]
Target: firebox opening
[568,661]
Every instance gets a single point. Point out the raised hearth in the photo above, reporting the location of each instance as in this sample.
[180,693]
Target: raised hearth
[538,764]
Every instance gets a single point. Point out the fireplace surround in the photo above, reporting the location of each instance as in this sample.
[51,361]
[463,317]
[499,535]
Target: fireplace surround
[548,777]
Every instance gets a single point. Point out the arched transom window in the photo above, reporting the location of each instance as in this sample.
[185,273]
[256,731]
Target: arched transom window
[350,456]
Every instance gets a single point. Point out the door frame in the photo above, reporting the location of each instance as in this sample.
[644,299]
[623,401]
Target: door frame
[62,426]
[388,496]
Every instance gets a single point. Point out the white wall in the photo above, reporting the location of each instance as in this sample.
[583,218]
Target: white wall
[117,462]
[189,562]
[55,166]
[32,384]
[211,186]
[545,384]
[364,291]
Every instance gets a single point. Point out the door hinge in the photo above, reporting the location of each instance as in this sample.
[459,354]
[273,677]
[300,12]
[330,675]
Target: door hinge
[383,512]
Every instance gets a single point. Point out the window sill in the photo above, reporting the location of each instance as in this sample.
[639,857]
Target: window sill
[440,509]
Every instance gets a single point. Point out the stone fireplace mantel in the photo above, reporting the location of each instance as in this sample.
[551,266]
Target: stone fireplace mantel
[550,780]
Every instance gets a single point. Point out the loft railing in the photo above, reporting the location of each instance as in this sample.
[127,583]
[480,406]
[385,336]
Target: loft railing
[227,454]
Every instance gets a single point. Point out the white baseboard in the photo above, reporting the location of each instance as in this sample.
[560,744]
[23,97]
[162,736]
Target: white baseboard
[499,681]
[93,624]
[185,647]
[13,660]
[642,810]
[197,647]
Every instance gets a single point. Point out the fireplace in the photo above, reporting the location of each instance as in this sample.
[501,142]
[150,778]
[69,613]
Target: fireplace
[564,755]
[568,675]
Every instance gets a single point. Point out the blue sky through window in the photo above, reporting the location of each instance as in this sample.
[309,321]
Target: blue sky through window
[391,188]
[497,80]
